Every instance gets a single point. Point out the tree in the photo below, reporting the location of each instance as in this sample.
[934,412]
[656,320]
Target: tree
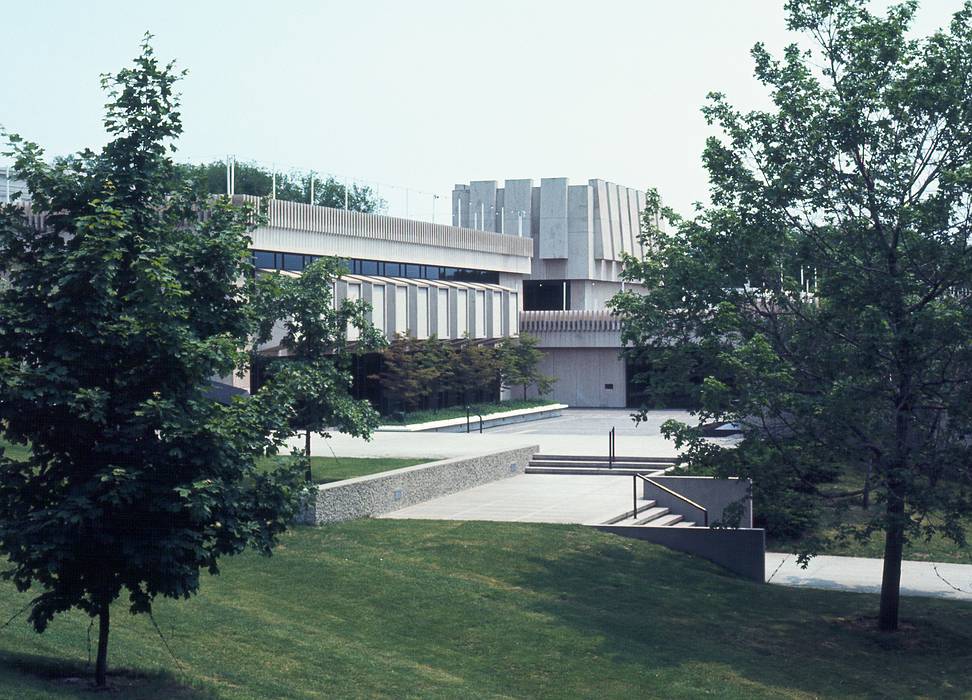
[406,374]
[250,178]
[474,369]
[519,363]
[115,314]
[315,335]
[827,284]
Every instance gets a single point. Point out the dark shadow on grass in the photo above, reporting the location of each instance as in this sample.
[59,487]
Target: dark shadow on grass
[72,679]
[661,609]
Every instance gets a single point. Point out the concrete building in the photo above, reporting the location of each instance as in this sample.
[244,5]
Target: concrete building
[581,233]
[10,186]
[544,258]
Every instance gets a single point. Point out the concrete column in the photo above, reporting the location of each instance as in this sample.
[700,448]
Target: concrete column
[601,219]
[482,203]
[553,217]
[580,233]
[518,206]
[460,206]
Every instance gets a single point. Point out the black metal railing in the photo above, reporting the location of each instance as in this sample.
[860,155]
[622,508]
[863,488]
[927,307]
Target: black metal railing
[634,496]
[611,448]
[468,420]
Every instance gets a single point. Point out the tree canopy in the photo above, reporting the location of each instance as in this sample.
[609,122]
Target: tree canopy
[293,186]
[126,291]
[825,292]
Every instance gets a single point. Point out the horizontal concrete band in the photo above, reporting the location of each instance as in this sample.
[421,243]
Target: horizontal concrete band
[318,219]
[388,491]
[742,551]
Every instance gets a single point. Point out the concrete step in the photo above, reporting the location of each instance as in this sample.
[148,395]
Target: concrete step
[685,523]
[643,507]
[651,515]
[665,520]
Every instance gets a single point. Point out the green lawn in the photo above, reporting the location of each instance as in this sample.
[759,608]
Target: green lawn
[323,469]
[938,548]
[327,469]
[460,412]
[388,609]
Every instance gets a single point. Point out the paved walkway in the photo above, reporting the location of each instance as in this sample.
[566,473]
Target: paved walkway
[577,431]
[531,498]
[918,578]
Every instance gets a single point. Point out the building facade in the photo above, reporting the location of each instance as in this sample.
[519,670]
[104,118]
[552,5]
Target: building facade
[581,234]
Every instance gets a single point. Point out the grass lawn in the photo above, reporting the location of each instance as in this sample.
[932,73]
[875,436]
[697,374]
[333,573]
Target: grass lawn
[327,469]
[938,548]
[388,609]
[460,412]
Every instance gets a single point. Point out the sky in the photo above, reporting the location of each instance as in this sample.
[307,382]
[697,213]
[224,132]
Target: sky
[412,96]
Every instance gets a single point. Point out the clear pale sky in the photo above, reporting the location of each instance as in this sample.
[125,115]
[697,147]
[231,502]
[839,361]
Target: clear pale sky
[418,94]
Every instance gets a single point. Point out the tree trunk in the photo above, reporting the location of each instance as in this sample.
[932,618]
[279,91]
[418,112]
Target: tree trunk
[308,475]
[524,392]
[891,578]
[866,497]
[101,666]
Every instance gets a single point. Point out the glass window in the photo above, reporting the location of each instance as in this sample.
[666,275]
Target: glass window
[431,273]
[369,267]
[292,262]
[413,271]
[264,260]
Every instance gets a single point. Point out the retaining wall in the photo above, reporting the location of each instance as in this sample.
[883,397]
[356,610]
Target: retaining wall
[714,494]
[385,492]
[742,550]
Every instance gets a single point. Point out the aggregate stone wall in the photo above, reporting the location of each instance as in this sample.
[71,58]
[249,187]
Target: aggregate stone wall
[382,493]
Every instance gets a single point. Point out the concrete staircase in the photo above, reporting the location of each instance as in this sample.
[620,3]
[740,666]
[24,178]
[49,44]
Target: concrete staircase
[598,464]
[650,514]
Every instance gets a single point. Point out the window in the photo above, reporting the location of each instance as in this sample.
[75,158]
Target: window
[546,295]
[264,260]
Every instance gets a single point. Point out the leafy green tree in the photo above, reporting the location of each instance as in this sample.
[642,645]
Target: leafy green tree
[315,335]
[827,284]
[475,369]
[519,364]
[114,316]
[250,178]
[407,376]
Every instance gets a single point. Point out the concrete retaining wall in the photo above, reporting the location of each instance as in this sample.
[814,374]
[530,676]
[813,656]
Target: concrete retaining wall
[382,493]
[713,494]
[742,551]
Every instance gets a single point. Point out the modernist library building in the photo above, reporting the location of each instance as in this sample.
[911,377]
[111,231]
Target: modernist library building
[520,256]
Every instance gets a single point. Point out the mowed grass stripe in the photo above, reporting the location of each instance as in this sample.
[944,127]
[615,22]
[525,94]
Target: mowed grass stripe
[383,608]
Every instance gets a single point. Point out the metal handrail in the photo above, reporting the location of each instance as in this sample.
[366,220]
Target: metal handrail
[468,420]
[676,494]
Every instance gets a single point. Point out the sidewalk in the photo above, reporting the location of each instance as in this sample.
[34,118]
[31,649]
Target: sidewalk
[918,578]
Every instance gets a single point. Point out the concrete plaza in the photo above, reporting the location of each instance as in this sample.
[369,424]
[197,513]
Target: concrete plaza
[577,431]
[531,498]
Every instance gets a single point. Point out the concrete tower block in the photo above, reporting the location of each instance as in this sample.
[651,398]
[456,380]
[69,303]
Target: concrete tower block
[535,219]
[553,217]
[635,222]
[460,206]
[580,232]
[614,221]
[624,217]
[518,206]
[482,204]
[602,225]
[641,199]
